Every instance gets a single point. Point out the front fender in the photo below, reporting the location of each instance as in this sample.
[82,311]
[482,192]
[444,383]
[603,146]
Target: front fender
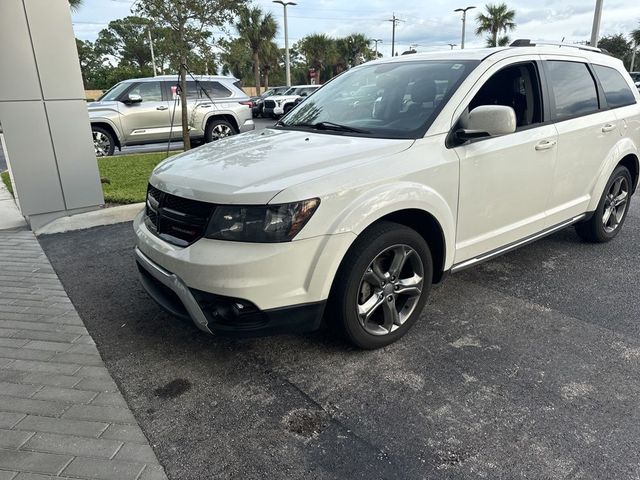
[620,150]
[111,123]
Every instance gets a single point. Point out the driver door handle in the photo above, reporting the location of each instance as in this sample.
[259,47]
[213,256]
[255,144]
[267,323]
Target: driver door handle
[162,107]
[608,127]
[546,145]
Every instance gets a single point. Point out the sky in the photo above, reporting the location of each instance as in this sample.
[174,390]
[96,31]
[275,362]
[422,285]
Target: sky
[428,24]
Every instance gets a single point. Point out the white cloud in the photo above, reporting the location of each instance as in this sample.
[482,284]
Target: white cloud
[431,25]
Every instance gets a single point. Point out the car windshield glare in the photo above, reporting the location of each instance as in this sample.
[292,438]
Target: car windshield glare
[114,92]
[388,100]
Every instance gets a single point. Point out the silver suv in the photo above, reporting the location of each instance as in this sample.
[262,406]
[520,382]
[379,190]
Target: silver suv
[141,110]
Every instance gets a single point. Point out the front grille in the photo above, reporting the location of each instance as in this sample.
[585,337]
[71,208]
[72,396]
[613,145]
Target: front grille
[269,104]
[177,220]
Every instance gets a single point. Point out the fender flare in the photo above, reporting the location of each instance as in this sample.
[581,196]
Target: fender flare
[115,129]
[375,204]
[219,113]
[619,151]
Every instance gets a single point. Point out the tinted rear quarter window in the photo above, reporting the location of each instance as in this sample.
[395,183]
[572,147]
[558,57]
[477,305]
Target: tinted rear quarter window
[573,89]
[616,89]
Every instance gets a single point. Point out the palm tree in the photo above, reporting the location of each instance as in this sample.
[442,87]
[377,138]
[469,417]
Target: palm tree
[319,50]
[75,4]
[635,36]
[498,18]
[258,30]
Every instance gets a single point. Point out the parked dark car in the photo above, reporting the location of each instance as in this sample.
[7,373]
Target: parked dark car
[258,100]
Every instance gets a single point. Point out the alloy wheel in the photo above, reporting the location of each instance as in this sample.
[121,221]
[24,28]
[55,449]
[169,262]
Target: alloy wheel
[615,204]
[390,289]
[101,144]
[220,131]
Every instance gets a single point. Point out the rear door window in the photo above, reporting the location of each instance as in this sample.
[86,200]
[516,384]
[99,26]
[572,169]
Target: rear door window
[573,89]
[616,89]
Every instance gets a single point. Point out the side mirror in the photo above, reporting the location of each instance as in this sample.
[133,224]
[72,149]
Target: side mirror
[304,94]
[134,98]
[488,121]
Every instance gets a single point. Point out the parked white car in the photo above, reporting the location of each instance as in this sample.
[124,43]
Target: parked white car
[351,214]
[278,105]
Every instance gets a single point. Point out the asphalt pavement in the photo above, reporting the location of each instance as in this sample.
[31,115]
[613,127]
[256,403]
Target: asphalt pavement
[523,367]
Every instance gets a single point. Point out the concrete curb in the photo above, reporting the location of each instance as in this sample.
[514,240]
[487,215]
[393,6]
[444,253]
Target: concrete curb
[10,216]
[96,218]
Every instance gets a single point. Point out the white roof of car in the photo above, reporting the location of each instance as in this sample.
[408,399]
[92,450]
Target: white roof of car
[174,78]
[576,51]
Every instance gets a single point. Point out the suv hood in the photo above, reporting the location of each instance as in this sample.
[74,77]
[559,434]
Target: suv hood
[99,108]
[282,97]
[254,167]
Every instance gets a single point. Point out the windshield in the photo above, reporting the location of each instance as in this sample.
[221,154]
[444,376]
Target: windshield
[389,100]
[115,92]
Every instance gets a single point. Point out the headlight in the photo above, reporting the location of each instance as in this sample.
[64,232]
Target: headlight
[264,224]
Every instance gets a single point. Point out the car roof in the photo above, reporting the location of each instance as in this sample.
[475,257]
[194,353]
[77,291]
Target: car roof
[175,78]
[479,54]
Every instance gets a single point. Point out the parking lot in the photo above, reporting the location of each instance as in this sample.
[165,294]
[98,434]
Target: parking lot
[524,367]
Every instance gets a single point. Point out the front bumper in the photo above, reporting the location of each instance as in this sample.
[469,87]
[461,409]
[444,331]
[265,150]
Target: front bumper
[285,284]
[222,315]
[247,126]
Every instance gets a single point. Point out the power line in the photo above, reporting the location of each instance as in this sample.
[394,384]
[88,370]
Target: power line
[394,20]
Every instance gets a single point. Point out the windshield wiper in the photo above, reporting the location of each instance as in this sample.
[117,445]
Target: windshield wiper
[330,126]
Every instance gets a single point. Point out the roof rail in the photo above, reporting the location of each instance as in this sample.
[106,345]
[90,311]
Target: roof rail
[525,42]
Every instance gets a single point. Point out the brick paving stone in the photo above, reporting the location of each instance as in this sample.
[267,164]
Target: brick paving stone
[94,468]
[65,395]
[9,419]
[109,399]
[18,390]
[97,385]
[76,446]
[36,462]
[44,345]
[38,407]
[135,452]
[13,438]
[125,433]
[6,475]
[153,472]
[62,425]
[100,414]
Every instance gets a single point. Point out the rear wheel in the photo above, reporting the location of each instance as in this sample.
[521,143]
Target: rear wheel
[103,141]
[382,286]
[607,220]
[217,129]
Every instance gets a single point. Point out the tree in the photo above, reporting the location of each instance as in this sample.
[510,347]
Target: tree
[635,36]
[75,4]
[187,23]
[236,58]
[127,40]
[617,45]
[498,18]
[257,29]
[272,57]
[352,50]
[319,50]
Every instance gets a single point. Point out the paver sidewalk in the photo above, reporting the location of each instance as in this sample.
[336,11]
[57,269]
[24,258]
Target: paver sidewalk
[61,414]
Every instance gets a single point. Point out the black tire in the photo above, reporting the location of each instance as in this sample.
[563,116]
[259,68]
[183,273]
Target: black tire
[594,229]
[350,284]
[217,129]
[103,141]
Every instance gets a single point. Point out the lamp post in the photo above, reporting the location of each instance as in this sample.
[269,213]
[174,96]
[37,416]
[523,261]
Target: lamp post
[464,22]
[452,45]
[287,66]
[595,30]
[376,40]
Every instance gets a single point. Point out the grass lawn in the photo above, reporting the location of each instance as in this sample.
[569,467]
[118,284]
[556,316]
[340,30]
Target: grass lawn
[7,181]
[127,175]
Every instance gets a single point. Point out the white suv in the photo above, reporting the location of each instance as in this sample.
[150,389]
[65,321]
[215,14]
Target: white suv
[353,205]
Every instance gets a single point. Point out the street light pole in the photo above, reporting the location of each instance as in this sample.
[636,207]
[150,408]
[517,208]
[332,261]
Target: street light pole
[595,30]
[452,45]
[395,21]
[287,64]
[153,56]
[376,41]
[464,23]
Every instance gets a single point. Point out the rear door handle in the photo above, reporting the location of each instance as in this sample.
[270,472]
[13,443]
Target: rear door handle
[162,107]
[546,145]
[608,127]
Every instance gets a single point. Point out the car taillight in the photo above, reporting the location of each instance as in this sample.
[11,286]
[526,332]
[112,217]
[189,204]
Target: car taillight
[248,104]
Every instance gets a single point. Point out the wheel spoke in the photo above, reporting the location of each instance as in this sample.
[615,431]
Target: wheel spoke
[391,315]
[606,217]
[410,286]
[374,274]
[400,255]
[620,199]
[615,189]
[367,308]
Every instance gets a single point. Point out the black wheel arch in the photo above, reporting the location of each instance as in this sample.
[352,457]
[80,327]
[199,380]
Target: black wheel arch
[106,126]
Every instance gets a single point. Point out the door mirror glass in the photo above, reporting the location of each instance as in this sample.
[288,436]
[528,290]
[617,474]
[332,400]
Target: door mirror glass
[488,121]
[134,98]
